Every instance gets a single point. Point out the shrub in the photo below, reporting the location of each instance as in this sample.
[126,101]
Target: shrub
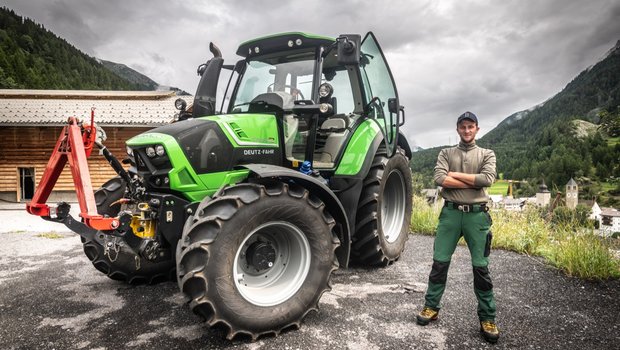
[584,255]
[523,232]
[424,217]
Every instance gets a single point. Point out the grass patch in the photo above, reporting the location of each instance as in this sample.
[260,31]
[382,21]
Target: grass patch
[18,231]
[612,141]
[499,187]
[581,253]
[607,186]
[585,256]
[424,217]
[522,232]
[50,235]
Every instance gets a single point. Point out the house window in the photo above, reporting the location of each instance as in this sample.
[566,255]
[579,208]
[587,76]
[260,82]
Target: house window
[26,183]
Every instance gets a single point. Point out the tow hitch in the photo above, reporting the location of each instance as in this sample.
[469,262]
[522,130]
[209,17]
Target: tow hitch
[75,145]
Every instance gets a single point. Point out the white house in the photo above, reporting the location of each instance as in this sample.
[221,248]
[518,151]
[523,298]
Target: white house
[496,201]
[595,212]
[514,204]
[609,221]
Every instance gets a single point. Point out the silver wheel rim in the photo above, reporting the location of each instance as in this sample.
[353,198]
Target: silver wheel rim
[273,282]
[393,206]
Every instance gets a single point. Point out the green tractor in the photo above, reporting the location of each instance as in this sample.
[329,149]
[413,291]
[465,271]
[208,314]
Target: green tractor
[252,207]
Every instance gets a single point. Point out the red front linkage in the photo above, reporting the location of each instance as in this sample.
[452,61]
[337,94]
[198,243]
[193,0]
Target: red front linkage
[75,145]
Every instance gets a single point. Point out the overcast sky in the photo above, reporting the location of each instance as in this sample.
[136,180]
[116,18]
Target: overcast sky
[493,58]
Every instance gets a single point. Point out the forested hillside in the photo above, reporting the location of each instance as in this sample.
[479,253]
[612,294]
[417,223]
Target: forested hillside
[573,134]
[31,57]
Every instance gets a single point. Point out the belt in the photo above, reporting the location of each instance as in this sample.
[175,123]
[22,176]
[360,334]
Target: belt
[466,208]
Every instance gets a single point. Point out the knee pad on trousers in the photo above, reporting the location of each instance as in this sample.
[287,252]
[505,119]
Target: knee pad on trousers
[482,280]
[439,272]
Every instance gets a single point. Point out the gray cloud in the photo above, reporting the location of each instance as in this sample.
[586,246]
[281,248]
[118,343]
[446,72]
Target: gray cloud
[447,56]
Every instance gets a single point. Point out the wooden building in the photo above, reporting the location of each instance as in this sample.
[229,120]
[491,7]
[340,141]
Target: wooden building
[31,122]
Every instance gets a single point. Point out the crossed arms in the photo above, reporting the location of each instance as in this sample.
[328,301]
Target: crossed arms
[459,180]
[452,179]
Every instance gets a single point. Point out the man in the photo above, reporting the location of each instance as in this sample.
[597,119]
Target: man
[463,172]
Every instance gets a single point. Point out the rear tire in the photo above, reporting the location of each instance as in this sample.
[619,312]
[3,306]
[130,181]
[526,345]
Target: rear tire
[257,258]
[123,265]
[383,212]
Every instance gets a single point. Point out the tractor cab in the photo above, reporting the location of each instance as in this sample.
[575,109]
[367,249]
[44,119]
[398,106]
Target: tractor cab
[318,88]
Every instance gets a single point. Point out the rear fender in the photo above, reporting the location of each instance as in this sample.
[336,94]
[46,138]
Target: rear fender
[319,189]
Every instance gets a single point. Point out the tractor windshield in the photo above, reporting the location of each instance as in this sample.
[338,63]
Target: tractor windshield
[278,80]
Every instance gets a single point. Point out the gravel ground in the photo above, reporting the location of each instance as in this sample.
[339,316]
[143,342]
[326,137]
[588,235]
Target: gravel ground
[52,298]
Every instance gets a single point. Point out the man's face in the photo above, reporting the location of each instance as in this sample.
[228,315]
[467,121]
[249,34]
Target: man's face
[467,130]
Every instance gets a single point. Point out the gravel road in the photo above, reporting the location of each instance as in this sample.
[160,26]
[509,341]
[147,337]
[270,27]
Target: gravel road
[52,298]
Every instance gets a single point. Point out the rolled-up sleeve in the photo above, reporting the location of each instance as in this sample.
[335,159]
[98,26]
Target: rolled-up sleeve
[487,172]
[441,168]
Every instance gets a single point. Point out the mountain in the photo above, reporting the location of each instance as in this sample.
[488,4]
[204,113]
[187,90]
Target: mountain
[129,74]
[32,57]
[556,140]
[594,89]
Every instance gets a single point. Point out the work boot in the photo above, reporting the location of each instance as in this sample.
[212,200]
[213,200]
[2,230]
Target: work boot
[489,331]
[426,315]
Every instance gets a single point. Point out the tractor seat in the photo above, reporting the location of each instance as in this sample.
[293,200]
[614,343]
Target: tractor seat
[336,123]
[333,131]
[280,99]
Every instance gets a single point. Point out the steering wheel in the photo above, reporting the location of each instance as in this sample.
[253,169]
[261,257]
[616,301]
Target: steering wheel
[295,92]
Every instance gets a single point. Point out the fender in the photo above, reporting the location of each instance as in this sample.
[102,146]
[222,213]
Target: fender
[316,187]
[404,144]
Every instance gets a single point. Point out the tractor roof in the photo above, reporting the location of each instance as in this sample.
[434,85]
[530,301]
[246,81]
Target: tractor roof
[282,42]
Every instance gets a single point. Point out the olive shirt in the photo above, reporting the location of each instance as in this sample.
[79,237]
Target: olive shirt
[470,159]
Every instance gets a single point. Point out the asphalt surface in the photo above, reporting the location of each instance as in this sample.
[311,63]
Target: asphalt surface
[51,297]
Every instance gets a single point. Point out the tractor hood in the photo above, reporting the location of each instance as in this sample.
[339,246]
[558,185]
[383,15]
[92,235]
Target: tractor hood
[211,144]
[239,129]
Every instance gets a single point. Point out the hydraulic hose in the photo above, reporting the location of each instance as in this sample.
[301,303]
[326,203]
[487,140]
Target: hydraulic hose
[116,165]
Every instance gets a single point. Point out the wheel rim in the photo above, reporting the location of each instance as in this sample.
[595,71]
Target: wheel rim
[272,263]
[393,206]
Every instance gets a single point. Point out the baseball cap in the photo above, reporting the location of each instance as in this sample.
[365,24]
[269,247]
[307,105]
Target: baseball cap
[467,115]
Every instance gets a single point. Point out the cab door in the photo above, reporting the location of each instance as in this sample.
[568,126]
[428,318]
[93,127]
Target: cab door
[380,91]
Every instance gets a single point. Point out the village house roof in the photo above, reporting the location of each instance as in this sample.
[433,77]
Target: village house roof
[513,201]
[543,188]
[53,107]
[571,182]
[429,192]
[612,212]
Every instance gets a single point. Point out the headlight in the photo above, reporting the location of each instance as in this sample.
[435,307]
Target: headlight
[180,104]
[150,151]
[325,90]
[129,151]
[325,108]
[159,150]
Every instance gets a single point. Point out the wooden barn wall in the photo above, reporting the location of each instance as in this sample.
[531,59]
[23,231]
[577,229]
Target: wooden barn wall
[31,147]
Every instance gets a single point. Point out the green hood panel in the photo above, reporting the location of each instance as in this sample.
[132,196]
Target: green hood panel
[182,176]
[358,147]
[248,130]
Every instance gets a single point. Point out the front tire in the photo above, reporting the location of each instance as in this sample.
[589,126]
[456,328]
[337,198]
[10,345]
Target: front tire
[257,258]
[384,211]
[119,262]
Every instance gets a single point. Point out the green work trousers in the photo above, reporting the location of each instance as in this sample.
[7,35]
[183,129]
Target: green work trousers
[474,227]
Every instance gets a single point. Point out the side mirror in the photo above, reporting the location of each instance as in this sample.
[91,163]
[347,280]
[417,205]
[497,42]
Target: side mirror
[397,109]
[349,49]
[393,105]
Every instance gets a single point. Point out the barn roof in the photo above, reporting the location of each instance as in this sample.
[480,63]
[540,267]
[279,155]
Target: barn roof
[53,107]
